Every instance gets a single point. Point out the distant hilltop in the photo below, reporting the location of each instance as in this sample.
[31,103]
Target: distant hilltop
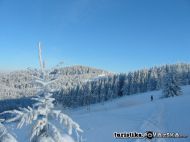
[16,84]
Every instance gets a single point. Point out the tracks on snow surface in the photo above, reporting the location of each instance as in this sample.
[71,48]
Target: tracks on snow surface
[153,123]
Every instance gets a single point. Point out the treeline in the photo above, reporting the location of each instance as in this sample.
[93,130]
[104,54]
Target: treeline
[113,86]
[17,84]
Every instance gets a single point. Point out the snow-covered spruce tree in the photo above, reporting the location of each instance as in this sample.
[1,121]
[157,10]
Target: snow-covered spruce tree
[43,130]
[4,135]
[171,85]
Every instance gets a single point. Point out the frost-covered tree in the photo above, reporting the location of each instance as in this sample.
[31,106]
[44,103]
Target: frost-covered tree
[42,112]
[4,135]
[171,86]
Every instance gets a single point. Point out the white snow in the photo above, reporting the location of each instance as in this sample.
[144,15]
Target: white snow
[127,114]
[136,113]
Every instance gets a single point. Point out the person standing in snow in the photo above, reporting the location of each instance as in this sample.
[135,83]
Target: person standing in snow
[151,98]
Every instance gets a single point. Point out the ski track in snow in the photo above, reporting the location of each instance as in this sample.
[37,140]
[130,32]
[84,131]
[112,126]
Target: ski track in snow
[153,123]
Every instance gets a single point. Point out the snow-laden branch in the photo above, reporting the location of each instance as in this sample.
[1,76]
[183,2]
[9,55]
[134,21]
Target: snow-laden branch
[24,115]
[38,127]
[55,133]
[67,121]
[41,82]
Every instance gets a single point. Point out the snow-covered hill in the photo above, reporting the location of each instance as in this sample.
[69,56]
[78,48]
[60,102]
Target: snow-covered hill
[17,84]
[130,113]
[136,113]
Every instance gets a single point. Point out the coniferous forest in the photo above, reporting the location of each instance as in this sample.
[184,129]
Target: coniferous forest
[117,85]
[82,86]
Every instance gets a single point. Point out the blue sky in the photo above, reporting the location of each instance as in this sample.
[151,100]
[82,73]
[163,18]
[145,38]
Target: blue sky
[115,35]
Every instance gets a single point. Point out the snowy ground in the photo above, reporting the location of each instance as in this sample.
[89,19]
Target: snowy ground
[131,113]
[136,113]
